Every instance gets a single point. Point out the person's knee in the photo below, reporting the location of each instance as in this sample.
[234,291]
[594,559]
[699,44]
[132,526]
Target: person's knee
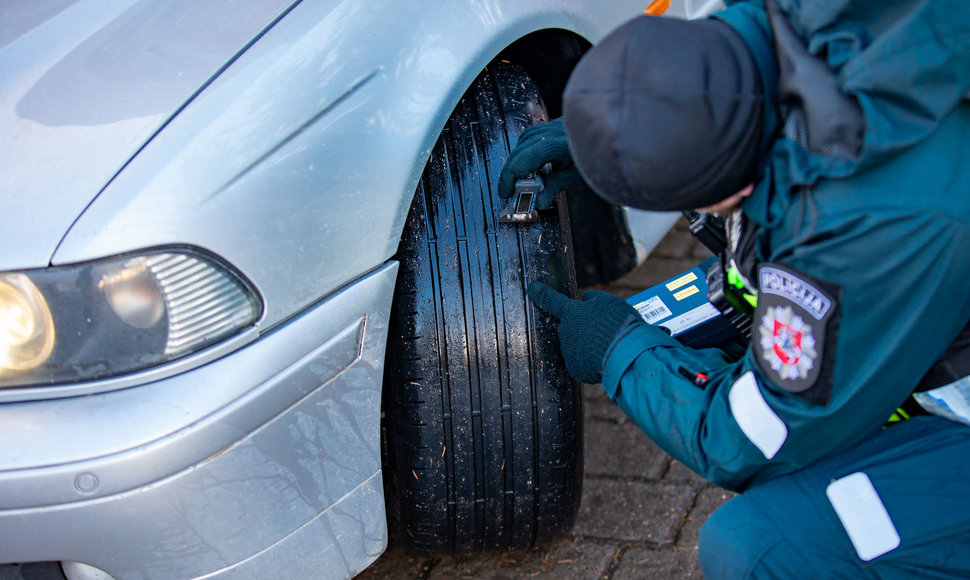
[741,541]
[734,540]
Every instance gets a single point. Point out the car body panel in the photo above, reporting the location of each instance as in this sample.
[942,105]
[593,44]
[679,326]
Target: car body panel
[86,87]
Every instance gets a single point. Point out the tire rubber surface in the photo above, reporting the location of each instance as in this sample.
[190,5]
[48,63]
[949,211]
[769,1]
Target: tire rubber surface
[482,424]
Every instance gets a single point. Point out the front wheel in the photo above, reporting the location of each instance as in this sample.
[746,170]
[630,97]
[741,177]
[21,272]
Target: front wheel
[482,424]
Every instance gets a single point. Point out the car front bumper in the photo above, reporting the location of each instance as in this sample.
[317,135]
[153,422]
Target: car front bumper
[263,463]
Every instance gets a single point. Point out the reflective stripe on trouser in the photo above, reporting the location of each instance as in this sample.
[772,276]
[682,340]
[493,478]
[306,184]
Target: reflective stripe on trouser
[917,471]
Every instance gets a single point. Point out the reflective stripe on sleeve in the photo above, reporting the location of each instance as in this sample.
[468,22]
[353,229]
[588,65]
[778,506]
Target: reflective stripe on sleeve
[757,420]
[863,515]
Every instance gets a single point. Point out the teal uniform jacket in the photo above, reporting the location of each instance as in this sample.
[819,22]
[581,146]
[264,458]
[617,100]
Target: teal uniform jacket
[864,260]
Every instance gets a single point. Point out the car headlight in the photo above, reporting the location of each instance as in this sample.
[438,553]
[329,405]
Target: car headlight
[102,319]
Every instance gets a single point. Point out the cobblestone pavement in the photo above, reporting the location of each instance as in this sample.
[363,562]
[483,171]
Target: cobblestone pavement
[641,510]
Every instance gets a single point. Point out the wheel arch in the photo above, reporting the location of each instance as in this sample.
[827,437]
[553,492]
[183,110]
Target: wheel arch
[549,56]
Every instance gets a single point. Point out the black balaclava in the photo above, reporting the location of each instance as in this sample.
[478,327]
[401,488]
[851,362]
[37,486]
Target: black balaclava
[666,114]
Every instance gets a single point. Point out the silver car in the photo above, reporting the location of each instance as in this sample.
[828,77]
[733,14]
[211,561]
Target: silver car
[240,239]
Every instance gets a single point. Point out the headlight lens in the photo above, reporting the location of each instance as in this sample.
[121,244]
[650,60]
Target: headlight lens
[106,318]
[26,326]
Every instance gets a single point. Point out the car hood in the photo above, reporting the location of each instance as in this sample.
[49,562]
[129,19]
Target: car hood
[85,84]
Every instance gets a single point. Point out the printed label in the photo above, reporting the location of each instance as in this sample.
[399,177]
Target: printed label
[691,318]
[653,310]
[686,292]
[682,281]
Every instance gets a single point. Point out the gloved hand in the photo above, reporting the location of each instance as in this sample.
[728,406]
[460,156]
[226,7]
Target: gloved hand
[538,145]
[587,327]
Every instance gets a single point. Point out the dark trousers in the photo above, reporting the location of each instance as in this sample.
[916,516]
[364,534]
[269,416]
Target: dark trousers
[896,506]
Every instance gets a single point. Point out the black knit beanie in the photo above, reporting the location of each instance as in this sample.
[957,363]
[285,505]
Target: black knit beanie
[666,114]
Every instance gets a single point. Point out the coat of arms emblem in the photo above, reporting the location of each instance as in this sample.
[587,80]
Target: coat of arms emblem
[787,344]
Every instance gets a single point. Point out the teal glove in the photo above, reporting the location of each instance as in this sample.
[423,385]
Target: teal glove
[537,146]
[587,327]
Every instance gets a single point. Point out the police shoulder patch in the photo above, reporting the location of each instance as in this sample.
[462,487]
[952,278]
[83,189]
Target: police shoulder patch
[795,318]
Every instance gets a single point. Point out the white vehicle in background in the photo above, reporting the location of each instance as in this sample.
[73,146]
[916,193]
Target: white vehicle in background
[240,239]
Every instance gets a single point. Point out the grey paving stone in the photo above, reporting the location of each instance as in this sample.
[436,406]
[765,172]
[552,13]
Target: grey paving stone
[667,563]
[678,243]
[699,251]
[681,245]
[633,511]
[679,472]
[606,410]
[594,393]
[622,450]
[566,560]
[396,563]
[708,500]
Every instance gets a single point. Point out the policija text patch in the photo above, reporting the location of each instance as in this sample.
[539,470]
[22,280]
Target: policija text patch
[796,316]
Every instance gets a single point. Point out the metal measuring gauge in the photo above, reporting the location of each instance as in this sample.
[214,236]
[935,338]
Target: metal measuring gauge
[526,190]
